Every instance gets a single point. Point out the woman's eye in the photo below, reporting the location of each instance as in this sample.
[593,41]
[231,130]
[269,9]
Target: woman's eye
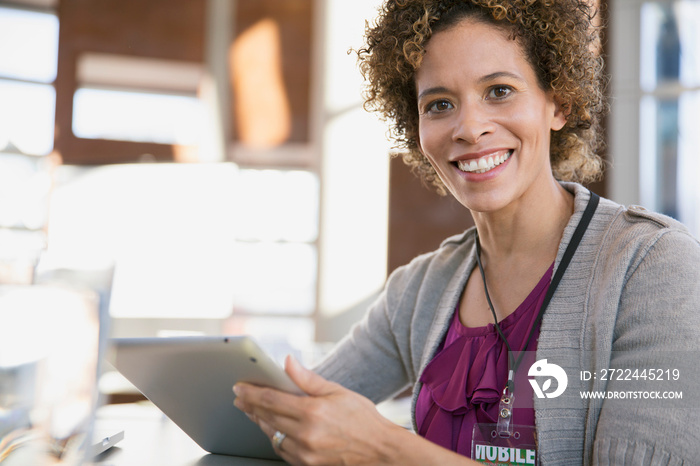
[439,106]
[500,92]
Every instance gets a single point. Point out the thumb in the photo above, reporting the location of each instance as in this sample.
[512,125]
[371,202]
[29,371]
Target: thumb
[310,382]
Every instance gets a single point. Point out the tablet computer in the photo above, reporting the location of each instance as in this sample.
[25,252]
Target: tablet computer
[190,379]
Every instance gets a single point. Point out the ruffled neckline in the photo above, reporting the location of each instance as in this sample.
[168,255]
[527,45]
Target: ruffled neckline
[470,370]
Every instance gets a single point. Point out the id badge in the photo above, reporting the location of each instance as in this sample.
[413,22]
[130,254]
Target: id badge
[488,447]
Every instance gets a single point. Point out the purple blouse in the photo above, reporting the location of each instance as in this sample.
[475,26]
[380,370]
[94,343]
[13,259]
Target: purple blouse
[463,383]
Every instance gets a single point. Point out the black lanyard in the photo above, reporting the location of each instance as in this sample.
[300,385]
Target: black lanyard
[565,260]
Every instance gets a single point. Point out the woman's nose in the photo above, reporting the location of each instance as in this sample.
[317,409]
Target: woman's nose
[472,124]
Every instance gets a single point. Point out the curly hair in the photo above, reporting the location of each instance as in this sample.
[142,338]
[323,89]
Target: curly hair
[560,42]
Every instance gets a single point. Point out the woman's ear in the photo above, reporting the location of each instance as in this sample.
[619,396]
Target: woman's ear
[562,110]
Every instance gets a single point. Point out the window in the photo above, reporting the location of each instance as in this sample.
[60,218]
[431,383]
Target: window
[27,102]
[655,62]
[34,39]
[138,99]
[670,83]
[125,115]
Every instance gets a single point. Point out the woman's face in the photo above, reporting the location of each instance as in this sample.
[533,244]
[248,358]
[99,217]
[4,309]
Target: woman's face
[484,120]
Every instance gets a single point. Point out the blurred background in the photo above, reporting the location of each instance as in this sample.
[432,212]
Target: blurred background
[214,154]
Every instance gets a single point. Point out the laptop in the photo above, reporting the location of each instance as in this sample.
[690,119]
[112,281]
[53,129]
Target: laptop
[190,379]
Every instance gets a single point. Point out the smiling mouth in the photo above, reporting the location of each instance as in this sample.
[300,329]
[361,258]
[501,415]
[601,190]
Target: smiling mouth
[483,164]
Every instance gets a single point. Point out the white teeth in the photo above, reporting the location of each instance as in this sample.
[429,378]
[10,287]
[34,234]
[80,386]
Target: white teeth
[483,164]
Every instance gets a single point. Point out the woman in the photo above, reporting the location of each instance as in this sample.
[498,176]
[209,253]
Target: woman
[499,103]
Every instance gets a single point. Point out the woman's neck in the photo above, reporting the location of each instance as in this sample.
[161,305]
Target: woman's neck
[527,231]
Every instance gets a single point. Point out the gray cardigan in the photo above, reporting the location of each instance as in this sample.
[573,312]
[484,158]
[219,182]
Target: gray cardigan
[629,298]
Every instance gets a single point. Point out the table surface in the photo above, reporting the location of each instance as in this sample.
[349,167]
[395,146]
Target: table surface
[151,439]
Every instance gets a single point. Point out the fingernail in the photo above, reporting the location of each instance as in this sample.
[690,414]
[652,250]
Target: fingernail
[236,389]
[292,360]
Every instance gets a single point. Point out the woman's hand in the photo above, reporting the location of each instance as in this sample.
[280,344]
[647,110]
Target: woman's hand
[332,425]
